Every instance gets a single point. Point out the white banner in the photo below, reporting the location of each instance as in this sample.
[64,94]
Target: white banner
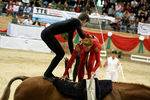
[23,44]
[53,15]
[143,28]
[24,31]
[48,15]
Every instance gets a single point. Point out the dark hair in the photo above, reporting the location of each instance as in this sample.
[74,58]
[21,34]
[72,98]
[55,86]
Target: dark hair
[114,52]
[84,16]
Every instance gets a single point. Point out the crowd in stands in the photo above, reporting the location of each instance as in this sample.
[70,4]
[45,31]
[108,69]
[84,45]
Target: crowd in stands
[25,7]
[126,12]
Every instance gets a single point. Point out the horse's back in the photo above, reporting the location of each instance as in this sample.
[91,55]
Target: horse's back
[36,88]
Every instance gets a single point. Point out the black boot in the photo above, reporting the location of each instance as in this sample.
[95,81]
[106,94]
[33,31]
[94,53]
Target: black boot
[50,78]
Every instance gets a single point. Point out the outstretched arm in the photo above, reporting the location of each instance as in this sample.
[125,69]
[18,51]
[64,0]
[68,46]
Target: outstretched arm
[97,57]
[79,30]
[70,62]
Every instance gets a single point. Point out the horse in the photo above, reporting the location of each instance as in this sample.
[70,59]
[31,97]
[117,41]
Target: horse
[37,88]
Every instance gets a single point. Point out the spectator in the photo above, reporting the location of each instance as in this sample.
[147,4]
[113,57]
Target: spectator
[15,10]
[25,2]
[136,24]
[123,24]
[45,3]
[53,4]
[116,25]
[126,14]
[104,21]
[134,9]
[28,21]
[95,13]
[35,2]
[131,27]
[134,3]
[16,20]
[66,7]
[77,9]
[111,11]
[132,17]
[9,8]
[37,23]
[1,6]
[105,8]
[72,2]
[118,7]
[142,13]
[20,13]
[83,3]
[148,21]
[112,2]
[141,4]
[59,6]
[120,13]
[127,7]
[142,20]
[49,6]
[27,10]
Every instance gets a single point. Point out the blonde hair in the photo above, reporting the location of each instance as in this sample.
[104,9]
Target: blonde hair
[87,41]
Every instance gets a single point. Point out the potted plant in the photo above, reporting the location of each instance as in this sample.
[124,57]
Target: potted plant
[119,54]
[64,36]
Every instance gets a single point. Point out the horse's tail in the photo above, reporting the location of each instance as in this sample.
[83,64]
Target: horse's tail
[6,93]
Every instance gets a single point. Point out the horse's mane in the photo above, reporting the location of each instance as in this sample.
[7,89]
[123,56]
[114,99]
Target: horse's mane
[131,84]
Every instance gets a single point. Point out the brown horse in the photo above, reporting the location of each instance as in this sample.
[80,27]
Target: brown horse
[36,88]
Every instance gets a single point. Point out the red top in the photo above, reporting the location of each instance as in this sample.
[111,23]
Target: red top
[94,55]
[83,56]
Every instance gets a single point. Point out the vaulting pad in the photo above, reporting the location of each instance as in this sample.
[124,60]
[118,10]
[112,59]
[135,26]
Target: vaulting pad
[78,90]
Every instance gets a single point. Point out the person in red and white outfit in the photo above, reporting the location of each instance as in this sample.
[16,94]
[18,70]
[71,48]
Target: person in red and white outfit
[86,46]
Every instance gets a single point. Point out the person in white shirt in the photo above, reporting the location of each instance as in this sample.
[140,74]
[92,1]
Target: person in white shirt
[28,21]
[15,10]
[112,64]
[134,2]
[118,7]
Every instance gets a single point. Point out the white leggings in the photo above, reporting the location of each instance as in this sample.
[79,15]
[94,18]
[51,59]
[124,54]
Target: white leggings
[111,75]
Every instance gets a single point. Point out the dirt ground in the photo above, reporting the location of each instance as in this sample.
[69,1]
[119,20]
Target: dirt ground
[16,62]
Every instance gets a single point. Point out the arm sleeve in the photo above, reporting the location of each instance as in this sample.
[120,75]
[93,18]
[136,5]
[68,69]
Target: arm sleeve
[79,30]
[97,57]
[70,62]
[70,42]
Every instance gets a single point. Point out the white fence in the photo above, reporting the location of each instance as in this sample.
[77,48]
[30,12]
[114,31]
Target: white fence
[140,58]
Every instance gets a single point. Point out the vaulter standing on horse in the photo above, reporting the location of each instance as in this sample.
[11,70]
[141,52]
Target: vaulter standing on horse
[68,26]
[86,46]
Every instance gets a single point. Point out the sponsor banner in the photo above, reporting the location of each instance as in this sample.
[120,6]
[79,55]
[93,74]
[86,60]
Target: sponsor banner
[48,15]
[143,28]
[53,15]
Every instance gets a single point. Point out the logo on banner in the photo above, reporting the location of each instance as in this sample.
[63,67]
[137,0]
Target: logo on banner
[143,28]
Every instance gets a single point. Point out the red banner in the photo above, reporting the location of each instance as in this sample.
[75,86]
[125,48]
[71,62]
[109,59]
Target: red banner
[124,43]
[99,36]
[146,43]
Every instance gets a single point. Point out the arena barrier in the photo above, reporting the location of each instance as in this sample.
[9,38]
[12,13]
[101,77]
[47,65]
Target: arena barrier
[140,58]
[103,53]
[23,44]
